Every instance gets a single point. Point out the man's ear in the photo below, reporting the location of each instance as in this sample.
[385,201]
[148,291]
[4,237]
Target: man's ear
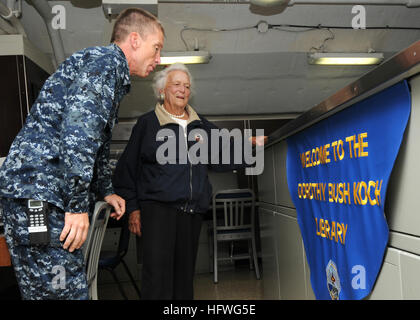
[135,40]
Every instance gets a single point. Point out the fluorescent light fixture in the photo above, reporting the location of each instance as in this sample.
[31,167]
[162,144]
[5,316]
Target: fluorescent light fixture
[186,57]
[114,7]
[269,3]
[361,59]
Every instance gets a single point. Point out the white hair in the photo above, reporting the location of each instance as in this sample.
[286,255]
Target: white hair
[159,81]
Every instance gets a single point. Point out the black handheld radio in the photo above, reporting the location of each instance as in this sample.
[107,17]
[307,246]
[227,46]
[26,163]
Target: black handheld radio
[38,222]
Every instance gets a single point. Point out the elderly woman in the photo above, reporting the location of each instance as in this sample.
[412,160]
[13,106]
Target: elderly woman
[169,197]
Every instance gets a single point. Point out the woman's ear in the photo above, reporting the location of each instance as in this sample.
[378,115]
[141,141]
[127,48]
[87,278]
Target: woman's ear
[161,95]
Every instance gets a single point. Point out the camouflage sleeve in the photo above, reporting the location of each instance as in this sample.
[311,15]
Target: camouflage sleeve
[104,172]
[88,105]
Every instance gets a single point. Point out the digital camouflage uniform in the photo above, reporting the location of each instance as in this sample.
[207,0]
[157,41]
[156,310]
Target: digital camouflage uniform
[61,156]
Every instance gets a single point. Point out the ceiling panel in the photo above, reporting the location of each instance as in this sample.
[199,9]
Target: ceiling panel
[250,72]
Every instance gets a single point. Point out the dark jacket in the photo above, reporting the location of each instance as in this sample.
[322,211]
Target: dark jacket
[140,176]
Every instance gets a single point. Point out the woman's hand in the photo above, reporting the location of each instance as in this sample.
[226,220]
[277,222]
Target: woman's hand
[134,223]
[118,203]
[258,140]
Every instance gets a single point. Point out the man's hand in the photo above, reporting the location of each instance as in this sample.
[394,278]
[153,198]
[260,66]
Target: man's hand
[75,231]
[134,223]
[118,203]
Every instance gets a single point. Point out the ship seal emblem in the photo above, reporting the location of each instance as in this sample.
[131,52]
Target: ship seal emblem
[333,280]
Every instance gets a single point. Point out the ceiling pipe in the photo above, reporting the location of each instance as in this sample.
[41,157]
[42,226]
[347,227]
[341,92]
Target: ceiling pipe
[7,23]
[4,24]
[5,12]
[14,20]
[6,27]
[11,4]
[407,3]
[44,9]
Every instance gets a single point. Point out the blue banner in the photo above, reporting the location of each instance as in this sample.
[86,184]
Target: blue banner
[337,173]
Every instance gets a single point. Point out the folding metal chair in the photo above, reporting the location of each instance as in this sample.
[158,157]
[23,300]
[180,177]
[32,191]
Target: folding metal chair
[236,223]
[93,244]
[110,260]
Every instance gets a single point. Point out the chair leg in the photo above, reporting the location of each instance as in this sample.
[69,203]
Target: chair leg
[251,264]
[131,278]
[118,283]
[93,289]
[210,239]
[215,280]
[254,253]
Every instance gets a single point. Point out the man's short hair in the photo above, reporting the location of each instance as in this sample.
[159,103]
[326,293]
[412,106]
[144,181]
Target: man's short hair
[134,20]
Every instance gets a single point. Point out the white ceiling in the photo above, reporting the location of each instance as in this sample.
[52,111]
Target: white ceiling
[250,72]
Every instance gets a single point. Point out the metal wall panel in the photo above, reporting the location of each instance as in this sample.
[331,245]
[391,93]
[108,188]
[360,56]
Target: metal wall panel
[308,290]
[410,281]
[290,253]
[388,282]
[269,255]
[398,277]
[404,185]
[282,190]
[266,180]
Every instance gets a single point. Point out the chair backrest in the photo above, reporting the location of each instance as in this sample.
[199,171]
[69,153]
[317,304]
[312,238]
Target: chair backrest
[238,209]
[124,239]
[93,244]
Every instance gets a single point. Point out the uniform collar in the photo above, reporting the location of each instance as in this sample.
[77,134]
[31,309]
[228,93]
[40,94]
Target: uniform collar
[165,119]
[126,76]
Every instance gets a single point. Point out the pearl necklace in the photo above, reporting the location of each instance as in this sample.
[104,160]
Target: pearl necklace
[173,115]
